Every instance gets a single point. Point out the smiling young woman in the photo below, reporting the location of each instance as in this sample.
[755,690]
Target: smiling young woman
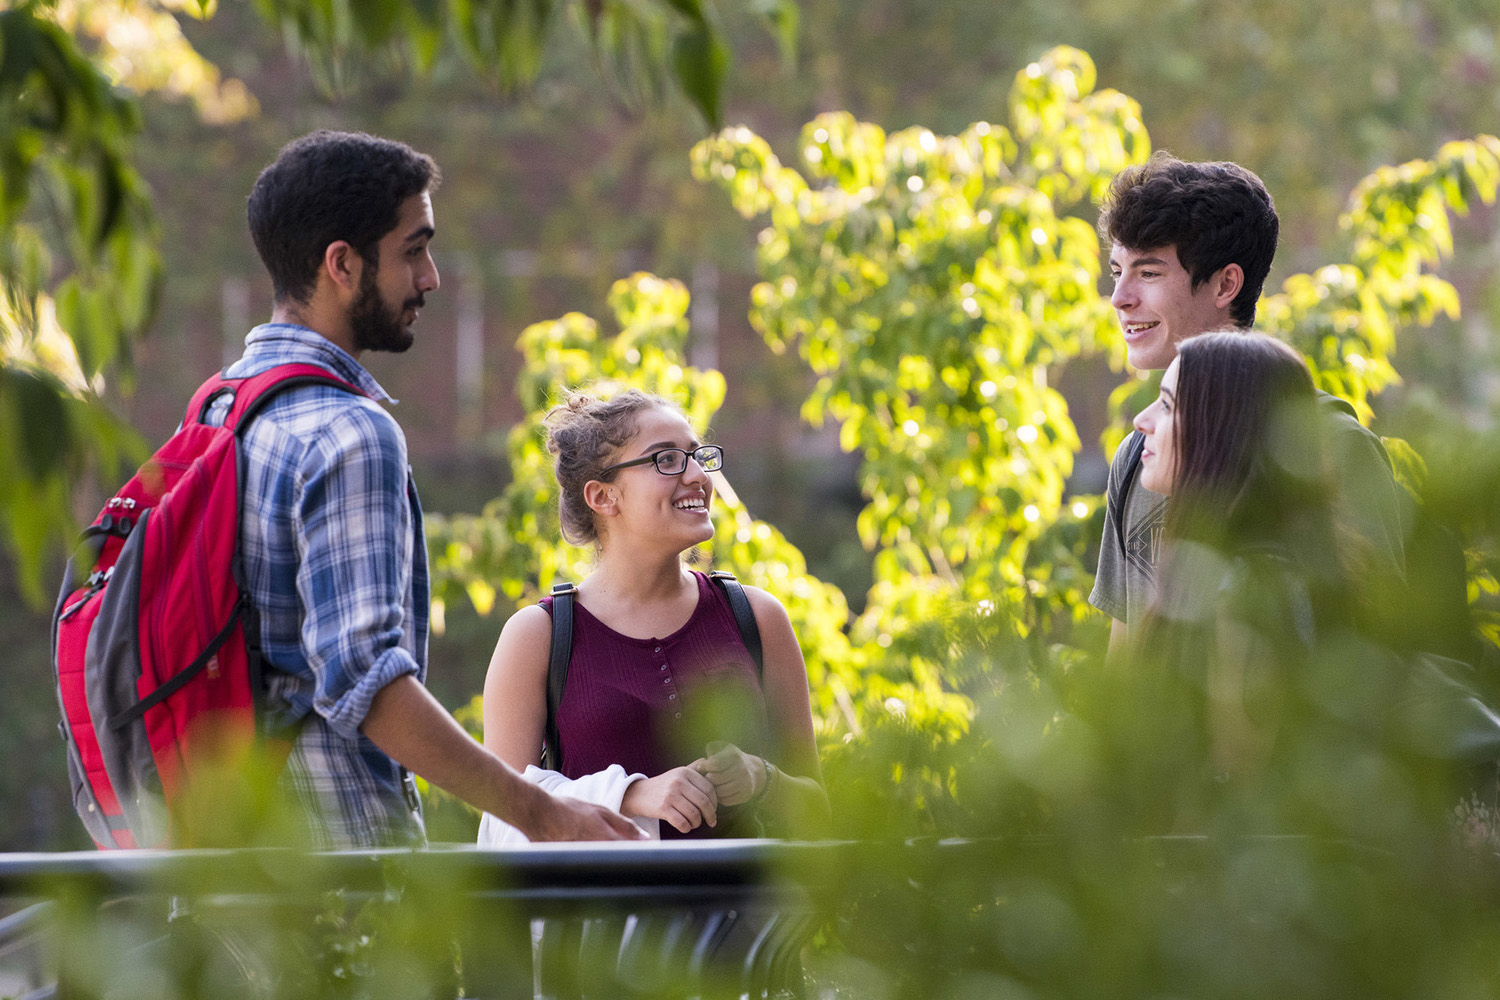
[1253,573]
[666,715]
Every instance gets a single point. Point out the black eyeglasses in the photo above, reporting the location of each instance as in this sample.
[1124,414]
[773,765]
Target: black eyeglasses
[673,461]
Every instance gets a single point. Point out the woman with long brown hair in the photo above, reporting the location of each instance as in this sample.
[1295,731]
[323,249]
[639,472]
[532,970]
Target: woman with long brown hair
[1253,573]
[1235,438]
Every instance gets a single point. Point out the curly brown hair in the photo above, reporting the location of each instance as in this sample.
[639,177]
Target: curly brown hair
[584,433]
[1215,214]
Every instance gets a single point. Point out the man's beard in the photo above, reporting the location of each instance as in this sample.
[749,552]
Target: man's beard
[375,328]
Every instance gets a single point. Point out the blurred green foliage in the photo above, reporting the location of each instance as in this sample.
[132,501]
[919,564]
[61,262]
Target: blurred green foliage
[1344,317]
[78,276]
[642,48]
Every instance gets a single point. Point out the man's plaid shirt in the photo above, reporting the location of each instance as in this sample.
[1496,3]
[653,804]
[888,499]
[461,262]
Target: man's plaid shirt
[336,562]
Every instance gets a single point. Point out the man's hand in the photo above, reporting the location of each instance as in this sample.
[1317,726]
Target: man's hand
[681,796]
[561,818]
[737,776]
[408,723]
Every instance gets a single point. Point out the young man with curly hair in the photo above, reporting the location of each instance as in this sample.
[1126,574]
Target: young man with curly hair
[1190,245]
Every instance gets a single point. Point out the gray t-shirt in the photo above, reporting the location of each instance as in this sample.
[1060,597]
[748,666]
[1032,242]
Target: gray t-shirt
[1367,503]
[1125,584]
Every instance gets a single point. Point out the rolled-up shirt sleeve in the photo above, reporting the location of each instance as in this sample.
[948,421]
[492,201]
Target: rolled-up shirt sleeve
[353,529]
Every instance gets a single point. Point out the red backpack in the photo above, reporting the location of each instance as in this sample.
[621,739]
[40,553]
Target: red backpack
[156,650]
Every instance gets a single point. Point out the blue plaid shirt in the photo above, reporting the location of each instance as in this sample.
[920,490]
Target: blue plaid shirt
[336,562]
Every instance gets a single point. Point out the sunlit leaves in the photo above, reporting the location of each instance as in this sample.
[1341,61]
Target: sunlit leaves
[1076,139]
[140,45]
[743,163]
[932,283]
[1399,215]
[849,153]
[514,547]
[1346,317]
[931,287]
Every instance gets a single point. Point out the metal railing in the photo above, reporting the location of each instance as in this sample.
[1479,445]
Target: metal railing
[725,918]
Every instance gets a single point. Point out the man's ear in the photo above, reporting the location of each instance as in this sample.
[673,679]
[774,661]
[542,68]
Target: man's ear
[1227,284]
[343,265]
[601,498]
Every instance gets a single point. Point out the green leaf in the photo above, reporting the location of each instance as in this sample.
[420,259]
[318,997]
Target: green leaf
[377,21]
[109,178]
[691,9]
[785,20]
[701,61]
[42,420]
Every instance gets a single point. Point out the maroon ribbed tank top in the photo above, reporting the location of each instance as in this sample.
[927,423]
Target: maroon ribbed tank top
[650,705]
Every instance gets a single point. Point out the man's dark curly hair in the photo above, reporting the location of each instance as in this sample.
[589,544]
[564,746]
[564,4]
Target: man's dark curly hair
[1213,213]
[326,187]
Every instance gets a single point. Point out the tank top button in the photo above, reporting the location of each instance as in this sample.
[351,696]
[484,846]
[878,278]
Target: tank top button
[663,667]
[658,649]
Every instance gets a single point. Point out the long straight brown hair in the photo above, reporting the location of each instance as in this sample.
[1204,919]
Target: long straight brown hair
[1249,528]
[1252,478]
[1247,438]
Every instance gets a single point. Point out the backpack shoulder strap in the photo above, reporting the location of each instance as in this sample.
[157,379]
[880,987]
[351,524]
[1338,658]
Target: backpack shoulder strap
[744,615]
[563,596]
[247,397]
[249,394]
[1119,492]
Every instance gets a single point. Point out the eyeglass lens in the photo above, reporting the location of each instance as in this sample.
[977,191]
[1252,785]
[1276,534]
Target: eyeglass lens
[672,461]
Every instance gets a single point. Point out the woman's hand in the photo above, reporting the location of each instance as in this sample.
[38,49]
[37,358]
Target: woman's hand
[682,796]
[737,776]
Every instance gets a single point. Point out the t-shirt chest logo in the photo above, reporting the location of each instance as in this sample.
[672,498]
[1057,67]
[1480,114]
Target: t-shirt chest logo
[1143,541]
